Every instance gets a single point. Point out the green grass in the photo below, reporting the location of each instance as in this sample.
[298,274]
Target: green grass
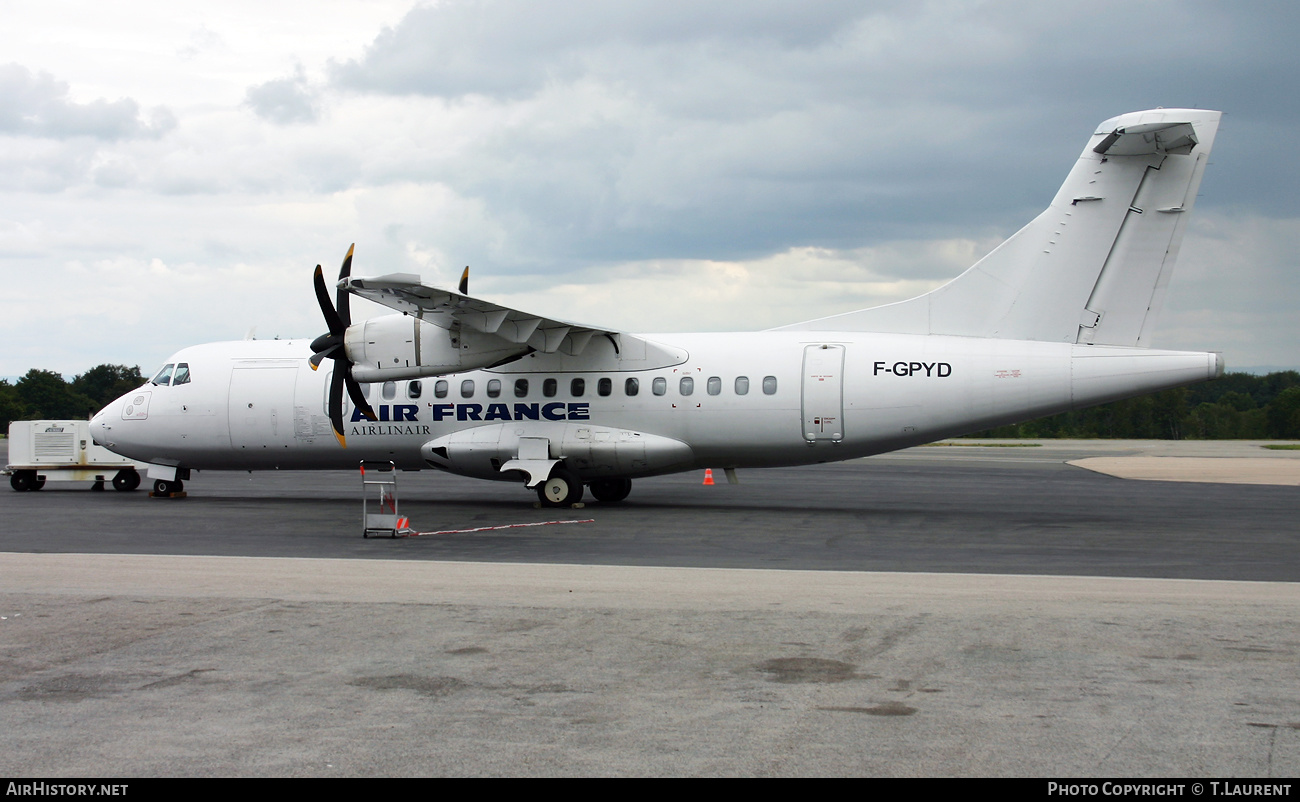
[1282,447]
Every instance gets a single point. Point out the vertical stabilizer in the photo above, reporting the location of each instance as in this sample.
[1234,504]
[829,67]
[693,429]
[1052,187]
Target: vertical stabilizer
[1094,266]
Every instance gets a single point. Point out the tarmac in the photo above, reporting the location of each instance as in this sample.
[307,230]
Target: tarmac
[124,664]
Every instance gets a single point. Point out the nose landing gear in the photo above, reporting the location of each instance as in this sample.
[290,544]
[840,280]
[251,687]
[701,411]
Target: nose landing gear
[168,488]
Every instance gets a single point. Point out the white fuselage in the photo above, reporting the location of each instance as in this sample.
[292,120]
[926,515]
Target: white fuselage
[1050,320]
[811,397]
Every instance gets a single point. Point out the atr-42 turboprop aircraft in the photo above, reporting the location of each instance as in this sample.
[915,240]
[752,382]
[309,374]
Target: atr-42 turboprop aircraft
[1057,317]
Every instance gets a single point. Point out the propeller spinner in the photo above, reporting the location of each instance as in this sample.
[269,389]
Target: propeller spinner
[330,346]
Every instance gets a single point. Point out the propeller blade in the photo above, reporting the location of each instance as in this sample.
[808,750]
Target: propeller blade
[342,297]
[354,391]
[336,402]
[321,356]
[331,346]
[336,325]
[464,281]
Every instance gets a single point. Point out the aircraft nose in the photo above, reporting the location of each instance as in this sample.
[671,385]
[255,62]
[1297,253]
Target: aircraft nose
[100,429]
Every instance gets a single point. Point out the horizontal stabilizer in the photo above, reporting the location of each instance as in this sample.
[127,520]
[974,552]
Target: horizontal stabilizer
[1149,139]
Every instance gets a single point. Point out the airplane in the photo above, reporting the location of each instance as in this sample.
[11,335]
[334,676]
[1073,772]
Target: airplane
[1058,317]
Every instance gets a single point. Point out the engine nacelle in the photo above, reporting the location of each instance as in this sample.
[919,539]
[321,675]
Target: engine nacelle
[405,347]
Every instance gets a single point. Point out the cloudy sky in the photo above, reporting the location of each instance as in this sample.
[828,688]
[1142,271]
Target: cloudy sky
[171,173]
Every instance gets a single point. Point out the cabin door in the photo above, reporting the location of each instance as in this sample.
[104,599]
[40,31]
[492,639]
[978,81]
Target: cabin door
[823,393]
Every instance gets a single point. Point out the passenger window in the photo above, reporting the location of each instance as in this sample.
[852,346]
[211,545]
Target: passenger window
[494,388]
[769,385]
[550,387]
[521,388]
[413,389]
[659,386]
[604,387]
[631,387]
[389,391]
[440,388]
[182,374]
[715,385]
[577,387]
[742,385]
[164,376]
[467,388]
[686,385]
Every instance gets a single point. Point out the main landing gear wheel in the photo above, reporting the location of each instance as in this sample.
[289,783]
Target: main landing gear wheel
[611,490]
[162,487]
[563,489]
[126,480]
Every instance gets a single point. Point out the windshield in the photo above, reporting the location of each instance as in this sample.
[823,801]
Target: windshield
[164,376]
[172,374]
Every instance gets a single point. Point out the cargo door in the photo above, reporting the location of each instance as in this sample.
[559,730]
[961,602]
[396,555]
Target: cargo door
[261,407]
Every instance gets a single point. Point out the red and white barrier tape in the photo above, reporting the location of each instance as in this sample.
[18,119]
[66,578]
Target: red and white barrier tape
[505,526]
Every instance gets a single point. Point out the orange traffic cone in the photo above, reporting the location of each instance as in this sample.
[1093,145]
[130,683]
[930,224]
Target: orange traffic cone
[708,476]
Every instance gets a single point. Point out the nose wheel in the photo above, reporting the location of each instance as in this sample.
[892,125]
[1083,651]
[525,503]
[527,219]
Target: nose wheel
[165,487]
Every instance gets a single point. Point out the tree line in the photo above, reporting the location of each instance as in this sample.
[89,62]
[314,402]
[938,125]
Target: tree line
[44,394]
[1238,406]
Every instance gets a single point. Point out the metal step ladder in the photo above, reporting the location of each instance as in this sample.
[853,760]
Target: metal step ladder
[383,520]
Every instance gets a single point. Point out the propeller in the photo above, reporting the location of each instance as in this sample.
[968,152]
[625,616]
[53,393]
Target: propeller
[464,282]
[338,317]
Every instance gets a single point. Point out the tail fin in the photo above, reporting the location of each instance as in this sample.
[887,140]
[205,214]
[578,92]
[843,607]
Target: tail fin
[1094,266]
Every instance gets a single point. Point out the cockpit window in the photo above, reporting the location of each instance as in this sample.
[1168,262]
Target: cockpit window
[182,374]
[164,377]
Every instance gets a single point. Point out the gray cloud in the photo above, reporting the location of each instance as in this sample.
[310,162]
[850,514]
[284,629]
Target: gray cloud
[510,49]
[284,100]
[739,129]
[35,104]
[697,165]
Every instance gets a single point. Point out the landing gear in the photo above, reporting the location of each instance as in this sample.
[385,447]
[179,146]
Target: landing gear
[126,480]
[164,488]
[563,489]
[23,481]
[611,490]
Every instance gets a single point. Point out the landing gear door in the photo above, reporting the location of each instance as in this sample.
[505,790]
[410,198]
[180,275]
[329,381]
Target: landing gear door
[823,393]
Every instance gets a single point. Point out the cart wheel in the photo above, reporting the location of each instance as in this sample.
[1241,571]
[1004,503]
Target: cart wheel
[126,480]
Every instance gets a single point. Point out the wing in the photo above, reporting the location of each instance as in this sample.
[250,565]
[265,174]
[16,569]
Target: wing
[444,308]
[447,309]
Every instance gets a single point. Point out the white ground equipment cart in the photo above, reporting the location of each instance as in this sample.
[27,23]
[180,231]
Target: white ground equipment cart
[62,451]
[381,518]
